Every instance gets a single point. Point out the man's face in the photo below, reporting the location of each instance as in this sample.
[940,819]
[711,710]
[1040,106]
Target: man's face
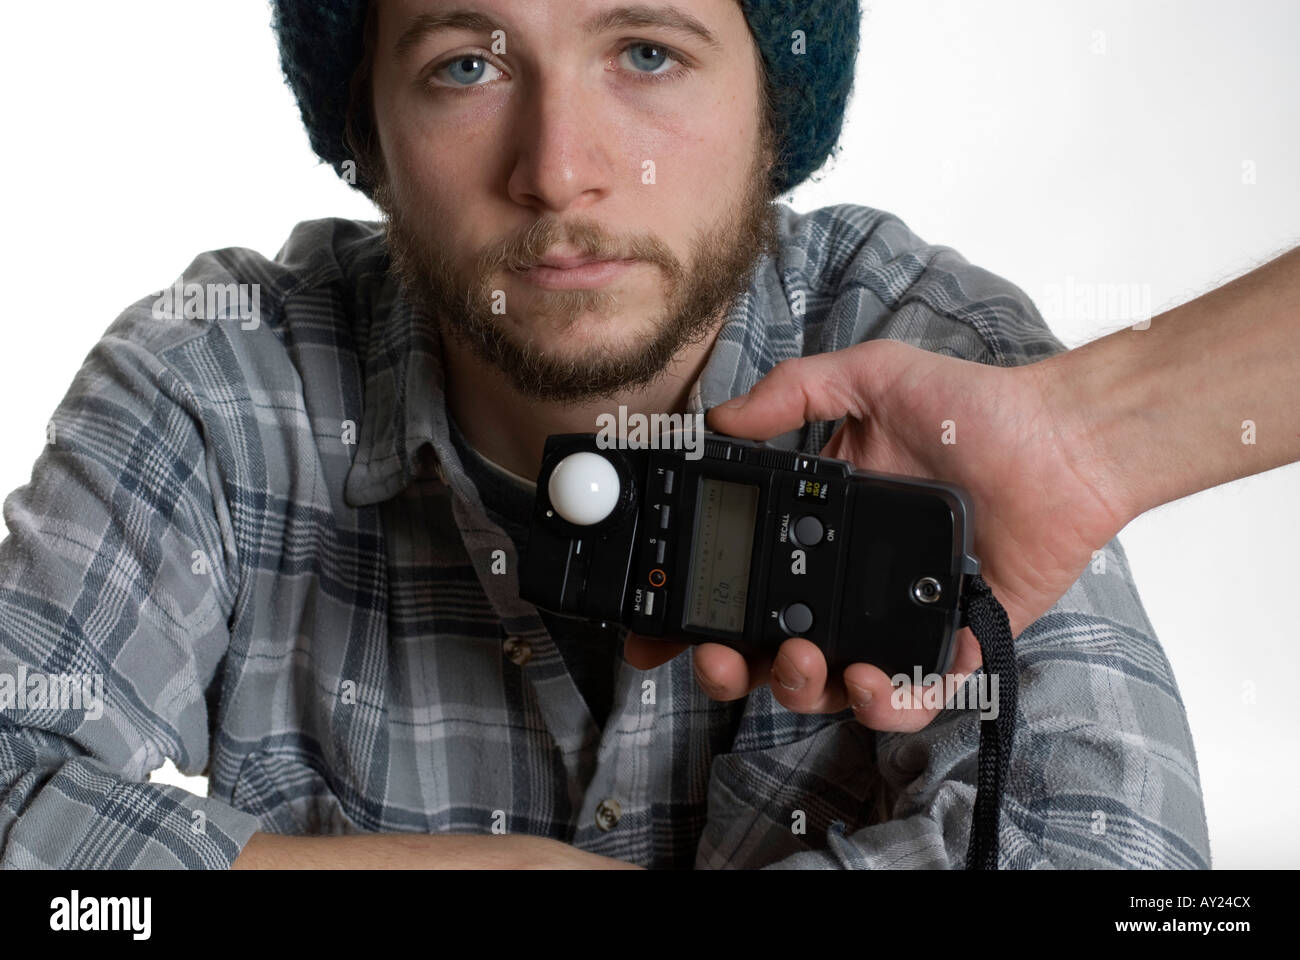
[562,137]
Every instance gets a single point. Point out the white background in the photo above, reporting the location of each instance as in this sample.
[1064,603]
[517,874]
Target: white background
[139,134]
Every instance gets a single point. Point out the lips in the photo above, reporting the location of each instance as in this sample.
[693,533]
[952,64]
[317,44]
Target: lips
[567,263]
[574,273]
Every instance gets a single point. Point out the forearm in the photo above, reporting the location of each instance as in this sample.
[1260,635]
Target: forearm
[1157,414]
[268,851]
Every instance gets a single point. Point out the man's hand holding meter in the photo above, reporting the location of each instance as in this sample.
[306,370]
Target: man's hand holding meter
[1041,503]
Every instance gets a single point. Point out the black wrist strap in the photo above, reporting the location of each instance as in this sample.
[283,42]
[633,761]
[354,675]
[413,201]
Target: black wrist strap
[987,619]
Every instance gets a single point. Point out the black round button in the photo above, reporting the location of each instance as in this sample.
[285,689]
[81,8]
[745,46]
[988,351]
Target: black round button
[807,531]
[796,619]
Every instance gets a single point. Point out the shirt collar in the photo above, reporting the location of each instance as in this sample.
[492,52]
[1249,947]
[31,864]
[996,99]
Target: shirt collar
[403,426]
[404,434]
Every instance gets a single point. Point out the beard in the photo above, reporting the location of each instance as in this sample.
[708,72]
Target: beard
[722,261]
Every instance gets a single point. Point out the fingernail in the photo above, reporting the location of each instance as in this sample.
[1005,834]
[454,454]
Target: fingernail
[735,402]
[859,697]
[786,674]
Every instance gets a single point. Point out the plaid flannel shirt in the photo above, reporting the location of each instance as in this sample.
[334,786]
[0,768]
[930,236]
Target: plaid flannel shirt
[264,538]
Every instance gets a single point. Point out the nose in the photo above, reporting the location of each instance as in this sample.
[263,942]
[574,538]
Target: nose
[563,153]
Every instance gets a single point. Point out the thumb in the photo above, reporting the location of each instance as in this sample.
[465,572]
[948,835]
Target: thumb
[800,390]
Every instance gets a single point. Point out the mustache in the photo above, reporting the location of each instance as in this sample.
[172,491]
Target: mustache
[524,251]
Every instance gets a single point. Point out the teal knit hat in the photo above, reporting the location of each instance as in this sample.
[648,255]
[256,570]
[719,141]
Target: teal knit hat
[809,50]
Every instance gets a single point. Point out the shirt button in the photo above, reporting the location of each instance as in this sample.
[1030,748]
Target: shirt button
[607,813]
[519,651]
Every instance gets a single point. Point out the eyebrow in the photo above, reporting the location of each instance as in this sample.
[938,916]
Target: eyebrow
[636,15]
[644,15]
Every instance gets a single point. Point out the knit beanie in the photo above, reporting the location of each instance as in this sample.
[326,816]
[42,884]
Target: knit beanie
[809,50]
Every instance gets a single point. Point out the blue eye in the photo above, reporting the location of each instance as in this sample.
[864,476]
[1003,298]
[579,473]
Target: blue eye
[647,55]
[464,71]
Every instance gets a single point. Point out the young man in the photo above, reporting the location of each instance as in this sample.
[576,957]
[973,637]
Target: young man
[288,536]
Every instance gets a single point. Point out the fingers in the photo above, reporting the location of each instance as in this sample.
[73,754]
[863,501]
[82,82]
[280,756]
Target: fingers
[798,679]
[785,399]
[721,672]
[724,674]
[877,704]
[799,682]
[824,386]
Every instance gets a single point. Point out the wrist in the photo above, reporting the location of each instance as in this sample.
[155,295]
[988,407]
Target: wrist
[1088,423]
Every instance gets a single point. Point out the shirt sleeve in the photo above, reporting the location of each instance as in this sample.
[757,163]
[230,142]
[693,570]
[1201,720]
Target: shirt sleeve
[116,589]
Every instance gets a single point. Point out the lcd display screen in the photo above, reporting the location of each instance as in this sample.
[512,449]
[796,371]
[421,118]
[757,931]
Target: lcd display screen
[720,552]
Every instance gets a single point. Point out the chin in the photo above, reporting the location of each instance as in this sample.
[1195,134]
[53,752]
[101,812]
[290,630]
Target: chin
[572,334]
